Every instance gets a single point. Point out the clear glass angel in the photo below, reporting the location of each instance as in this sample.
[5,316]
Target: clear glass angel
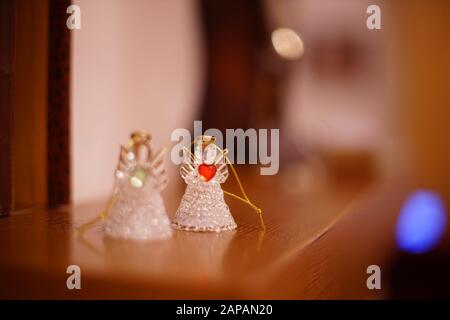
[203,207]
[137,209]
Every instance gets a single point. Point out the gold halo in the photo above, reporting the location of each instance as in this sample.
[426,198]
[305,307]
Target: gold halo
[140,136]
[206,140]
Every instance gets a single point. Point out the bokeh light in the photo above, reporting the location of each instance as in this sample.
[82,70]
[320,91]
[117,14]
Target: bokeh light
[422,222]
[287,43]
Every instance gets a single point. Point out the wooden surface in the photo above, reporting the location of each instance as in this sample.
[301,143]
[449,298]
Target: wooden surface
[317,245]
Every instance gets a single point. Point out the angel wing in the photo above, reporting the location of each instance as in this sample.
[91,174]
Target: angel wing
[156,165]
[190,163]
[221,164]
[127,159]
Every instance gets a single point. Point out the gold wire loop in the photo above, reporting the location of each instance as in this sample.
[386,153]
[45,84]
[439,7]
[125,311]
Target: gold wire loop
[138,140]
[210,139]
[246,199]
[101,217]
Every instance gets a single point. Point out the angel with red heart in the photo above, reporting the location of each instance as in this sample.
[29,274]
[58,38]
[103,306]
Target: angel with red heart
[203,207]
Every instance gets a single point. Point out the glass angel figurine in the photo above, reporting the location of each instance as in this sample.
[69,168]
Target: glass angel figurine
[137,209]
[203,207]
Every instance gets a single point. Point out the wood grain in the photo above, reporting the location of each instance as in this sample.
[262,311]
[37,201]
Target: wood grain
[309,250]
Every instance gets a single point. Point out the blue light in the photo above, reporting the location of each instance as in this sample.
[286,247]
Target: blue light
[422,222]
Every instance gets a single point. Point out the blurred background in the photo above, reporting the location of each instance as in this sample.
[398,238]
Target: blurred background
[351,103]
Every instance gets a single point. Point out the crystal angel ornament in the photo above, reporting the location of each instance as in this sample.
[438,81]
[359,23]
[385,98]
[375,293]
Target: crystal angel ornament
[137,209]
[203,207]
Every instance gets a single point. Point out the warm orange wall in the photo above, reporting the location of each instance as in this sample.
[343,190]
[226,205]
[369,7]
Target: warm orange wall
[30,103]
[424,88]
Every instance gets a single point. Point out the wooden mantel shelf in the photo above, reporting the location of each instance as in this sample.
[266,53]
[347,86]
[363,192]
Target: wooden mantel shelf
[316,245]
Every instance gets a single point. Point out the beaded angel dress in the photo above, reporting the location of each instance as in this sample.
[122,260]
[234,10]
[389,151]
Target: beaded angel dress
[137,209]
[203,207]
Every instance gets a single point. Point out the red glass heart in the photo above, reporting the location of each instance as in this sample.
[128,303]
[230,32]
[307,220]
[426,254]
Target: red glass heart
[207,171]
